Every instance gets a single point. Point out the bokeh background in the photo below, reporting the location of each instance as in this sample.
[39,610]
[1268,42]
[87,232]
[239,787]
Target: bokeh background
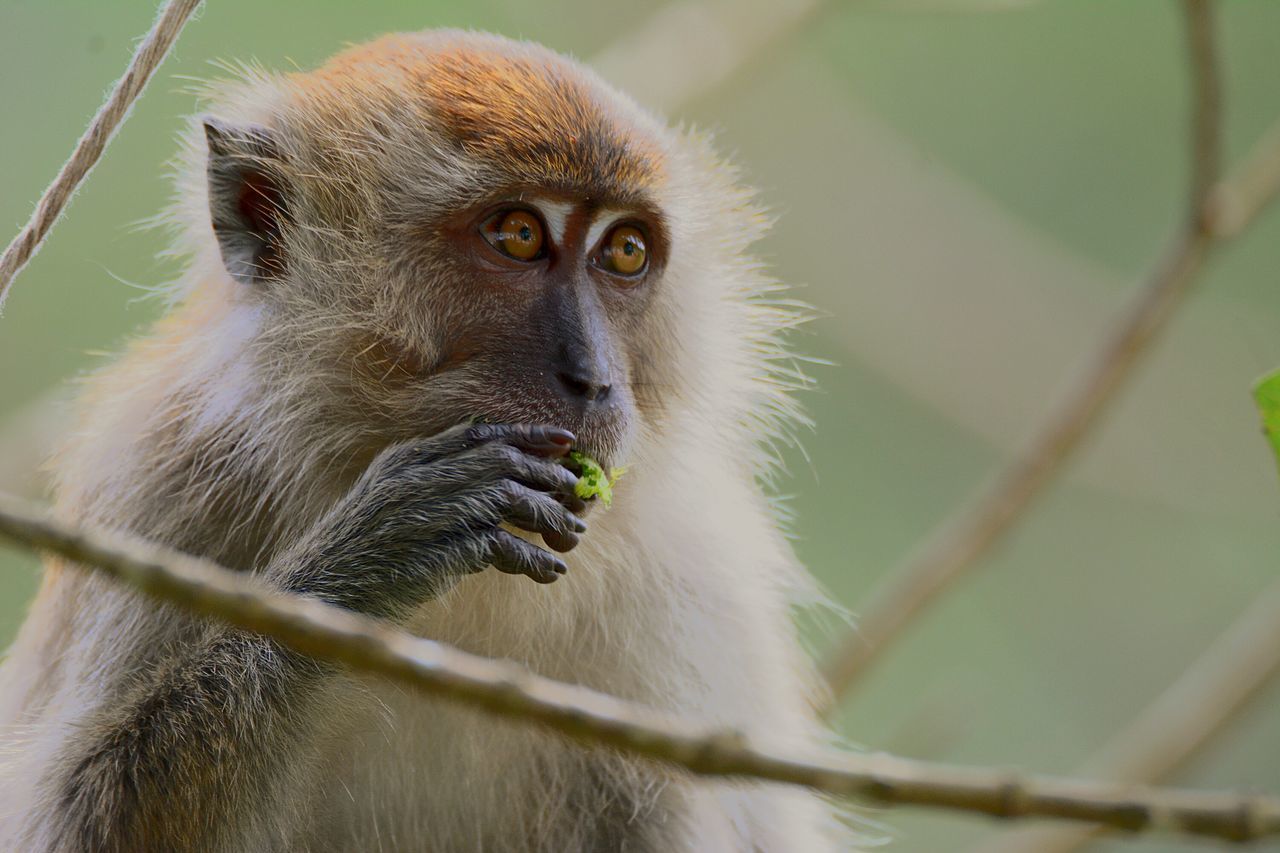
[967,190]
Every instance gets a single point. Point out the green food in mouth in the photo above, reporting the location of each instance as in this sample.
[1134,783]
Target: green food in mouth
[594,481]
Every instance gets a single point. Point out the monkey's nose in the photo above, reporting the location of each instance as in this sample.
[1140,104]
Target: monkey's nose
[590,388]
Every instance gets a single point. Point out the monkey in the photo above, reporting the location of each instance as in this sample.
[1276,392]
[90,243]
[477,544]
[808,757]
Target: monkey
[416,277]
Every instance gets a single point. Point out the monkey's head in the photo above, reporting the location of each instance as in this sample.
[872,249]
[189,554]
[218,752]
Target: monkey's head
[439,227]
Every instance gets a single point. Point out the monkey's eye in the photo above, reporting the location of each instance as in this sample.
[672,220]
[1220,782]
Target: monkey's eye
[516,234]
[624,251]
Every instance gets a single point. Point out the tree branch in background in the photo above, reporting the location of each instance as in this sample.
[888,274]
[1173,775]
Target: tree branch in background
[593,718]
[1234,205]
[150,53]
[1206,106]
[1186,717]
[702,44]
[1180,723]
[964,539]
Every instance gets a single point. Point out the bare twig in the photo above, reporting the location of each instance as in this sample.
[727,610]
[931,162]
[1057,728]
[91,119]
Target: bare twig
[702,44]
[1180,723]
[505,689]
[983,520]
[110,116]
[1236,204]
[1206,110]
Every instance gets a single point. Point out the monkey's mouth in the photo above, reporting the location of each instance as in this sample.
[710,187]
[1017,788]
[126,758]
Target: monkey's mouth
[601,431]
[600,434]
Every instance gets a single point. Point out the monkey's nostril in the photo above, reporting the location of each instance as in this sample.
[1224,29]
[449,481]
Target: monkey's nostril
[578,386]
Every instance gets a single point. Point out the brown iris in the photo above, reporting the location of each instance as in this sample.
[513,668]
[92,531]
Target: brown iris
[624,251]
[517,234]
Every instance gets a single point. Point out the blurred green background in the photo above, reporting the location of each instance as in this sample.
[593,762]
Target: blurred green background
[967,190]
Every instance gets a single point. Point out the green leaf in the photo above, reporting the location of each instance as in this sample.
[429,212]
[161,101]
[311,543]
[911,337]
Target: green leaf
[1267,395]
[593,481]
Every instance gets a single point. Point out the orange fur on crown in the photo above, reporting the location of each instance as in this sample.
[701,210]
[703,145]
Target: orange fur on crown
[529,113]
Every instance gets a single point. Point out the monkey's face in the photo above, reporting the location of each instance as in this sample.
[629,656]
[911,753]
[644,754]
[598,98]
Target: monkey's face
[450,227]
[539,300]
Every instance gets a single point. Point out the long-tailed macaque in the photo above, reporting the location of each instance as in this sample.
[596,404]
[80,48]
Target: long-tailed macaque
[418,276]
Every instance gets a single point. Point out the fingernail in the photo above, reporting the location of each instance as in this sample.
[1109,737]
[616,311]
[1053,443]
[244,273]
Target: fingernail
[579,525]
[560,436]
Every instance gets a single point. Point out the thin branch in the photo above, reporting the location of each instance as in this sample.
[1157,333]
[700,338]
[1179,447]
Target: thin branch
[702,44]
[507,690]
[1206,109]
[1233,206]
[1181,722]
[983,520]
[150,53]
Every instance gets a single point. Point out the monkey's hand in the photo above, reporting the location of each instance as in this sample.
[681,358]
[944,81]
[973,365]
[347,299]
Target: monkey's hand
[428,511]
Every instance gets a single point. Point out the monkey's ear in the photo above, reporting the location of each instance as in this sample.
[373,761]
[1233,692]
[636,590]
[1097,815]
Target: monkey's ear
[248,202]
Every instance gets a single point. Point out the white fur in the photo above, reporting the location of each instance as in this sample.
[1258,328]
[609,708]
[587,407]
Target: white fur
[555,214]
[600,221]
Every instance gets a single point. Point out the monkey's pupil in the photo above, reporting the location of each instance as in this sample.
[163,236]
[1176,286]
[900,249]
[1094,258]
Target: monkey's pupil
[526,233]
[628,248]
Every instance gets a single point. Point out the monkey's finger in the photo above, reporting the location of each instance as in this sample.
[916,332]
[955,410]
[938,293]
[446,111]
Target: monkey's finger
[538,512]
[562,542]
[502,461]
[539,439]
[551,478]
[513,555]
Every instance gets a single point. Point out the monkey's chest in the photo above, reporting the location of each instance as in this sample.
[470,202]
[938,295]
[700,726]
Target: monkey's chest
[406,767]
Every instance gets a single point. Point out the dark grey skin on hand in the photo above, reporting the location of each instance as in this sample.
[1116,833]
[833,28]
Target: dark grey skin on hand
[425,514]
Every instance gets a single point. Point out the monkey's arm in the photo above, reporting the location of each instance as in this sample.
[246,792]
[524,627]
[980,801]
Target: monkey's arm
[193,759]
[202,753]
